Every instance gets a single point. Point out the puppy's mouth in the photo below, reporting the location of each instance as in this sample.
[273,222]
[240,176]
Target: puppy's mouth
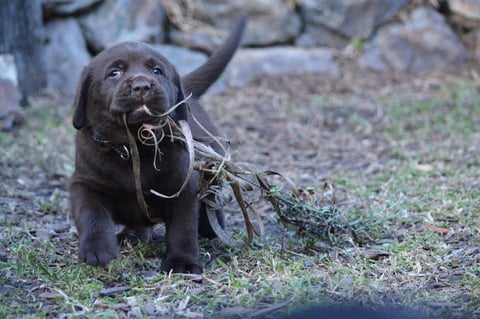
[142,114]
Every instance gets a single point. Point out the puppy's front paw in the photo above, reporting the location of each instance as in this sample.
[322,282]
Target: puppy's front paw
[98,250]
[181,265]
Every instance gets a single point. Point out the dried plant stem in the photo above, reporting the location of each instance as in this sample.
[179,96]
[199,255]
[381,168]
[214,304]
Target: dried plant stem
[188,139]
[136,172]
[218,170]
[204,159]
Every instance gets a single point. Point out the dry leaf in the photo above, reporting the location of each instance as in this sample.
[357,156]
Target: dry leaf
[439,230]
[375,254]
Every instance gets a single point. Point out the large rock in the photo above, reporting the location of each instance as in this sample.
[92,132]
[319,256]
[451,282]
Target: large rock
[183,59]
[466,8]
[10,111]
[195,41]
[333,23]
[7,68]
[66,7]
[473,39]
[424,42]
[321,36]
[249,64]
[65,56]
[123,20]
[270,21]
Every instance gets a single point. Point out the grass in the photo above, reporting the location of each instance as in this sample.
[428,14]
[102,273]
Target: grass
[427,182]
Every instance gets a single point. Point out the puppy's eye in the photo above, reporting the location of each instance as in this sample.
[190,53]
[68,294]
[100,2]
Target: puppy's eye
[114,73]
[157,71]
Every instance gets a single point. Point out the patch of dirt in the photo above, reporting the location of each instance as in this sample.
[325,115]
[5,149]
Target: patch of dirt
[313,129]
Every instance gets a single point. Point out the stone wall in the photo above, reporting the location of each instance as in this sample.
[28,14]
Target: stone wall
[283,36]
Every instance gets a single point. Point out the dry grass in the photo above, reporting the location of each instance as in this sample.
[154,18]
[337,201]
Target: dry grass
[402,157]
[298,208]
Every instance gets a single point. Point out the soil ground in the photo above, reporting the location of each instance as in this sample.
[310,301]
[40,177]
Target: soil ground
[403,149]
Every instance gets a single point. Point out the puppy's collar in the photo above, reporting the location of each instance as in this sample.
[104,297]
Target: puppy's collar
[120,149]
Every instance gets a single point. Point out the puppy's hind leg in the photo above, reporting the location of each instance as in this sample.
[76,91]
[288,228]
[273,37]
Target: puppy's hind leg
[137,234]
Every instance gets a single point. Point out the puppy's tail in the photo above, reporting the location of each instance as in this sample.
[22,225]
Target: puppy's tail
[199,80]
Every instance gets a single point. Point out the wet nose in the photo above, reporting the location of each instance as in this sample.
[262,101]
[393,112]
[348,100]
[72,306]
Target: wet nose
[141,87]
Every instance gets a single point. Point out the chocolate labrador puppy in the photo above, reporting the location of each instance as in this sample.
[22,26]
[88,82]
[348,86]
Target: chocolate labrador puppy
[132,80]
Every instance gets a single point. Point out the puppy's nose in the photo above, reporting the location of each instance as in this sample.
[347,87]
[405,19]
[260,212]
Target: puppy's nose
[141,87]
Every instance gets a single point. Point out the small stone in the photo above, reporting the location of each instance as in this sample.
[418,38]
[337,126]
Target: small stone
[110,292]
[43,234]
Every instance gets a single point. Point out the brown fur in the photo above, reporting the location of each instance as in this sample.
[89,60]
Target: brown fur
[117,82]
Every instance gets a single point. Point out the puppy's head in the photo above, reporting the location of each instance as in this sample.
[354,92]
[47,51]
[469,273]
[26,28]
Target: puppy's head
[128,79]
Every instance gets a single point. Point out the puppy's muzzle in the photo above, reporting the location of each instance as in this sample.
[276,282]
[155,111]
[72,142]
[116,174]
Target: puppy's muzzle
[141,87]
[132,95]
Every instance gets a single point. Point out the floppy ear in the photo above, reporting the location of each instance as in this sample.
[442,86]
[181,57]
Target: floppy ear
[181,111]
[80,115]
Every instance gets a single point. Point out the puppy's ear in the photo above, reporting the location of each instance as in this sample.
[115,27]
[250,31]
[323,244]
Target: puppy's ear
[80,115]
[181,111]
